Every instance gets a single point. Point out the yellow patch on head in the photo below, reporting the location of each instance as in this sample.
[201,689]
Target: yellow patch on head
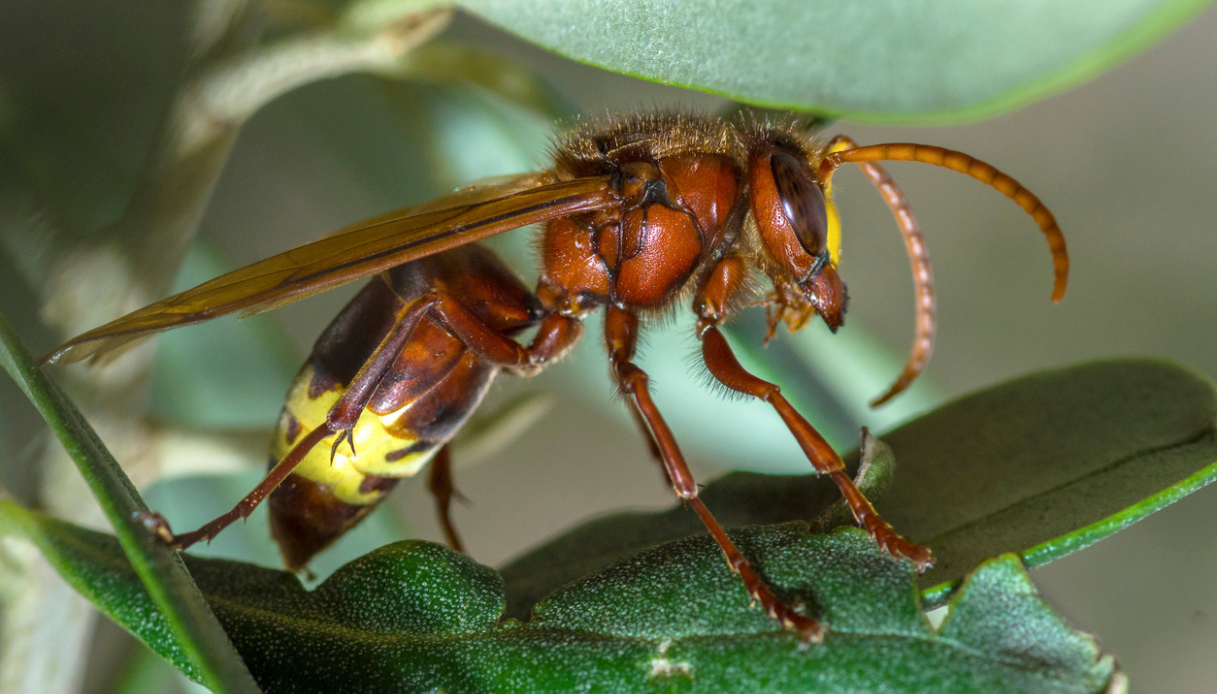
[833,241]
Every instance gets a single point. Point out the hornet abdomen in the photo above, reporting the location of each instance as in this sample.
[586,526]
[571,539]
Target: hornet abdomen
[433,385]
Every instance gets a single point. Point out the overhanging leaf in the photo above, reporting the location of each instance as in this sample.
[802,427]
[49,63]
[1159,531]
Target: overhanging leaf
[416,617]
[198,644]
[887,60]
[1041,466]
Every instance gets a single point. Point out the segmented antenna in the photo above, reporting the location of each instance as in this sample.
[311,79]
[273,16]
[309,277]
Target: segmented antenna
[843,150]
[919,260]
[981,171]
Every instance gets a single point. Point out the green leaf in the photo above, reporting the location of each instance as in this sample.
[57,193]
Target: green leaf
[417,617]
[884,60]
[198,644]
[1041,466]
[1050,463]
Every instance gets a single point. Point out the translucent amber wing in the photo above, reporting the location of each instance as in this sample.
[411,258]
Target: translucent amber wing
[364,249]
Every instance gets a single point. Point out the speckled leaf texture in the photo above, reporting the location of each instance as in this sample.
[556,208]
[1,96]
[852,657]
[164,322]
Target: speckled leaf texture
[417,617]
[1042,465]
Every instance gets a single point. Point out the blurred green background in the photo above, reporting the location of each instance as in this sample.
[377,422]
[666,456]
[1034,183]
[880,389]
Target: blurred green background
[1127,162]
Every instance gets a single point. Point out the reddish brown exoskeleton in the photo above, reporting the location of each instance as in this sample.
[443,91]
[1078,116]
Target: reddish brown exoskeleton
[640,213]
[386,387]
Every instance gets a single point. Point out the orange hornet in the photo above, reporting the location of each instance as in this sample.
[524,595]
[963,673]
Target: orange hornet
[639,213]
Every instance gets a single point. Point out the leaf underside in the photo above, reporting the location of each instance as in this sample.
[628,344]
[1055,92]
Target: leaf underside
[885,60]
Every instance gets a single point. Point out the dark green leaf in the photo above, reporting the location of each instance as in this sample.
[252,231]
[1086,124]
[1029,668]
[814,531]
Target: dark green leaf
[1050,463]
[1041,466]
[198,645]
[885,60]
[417,617]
